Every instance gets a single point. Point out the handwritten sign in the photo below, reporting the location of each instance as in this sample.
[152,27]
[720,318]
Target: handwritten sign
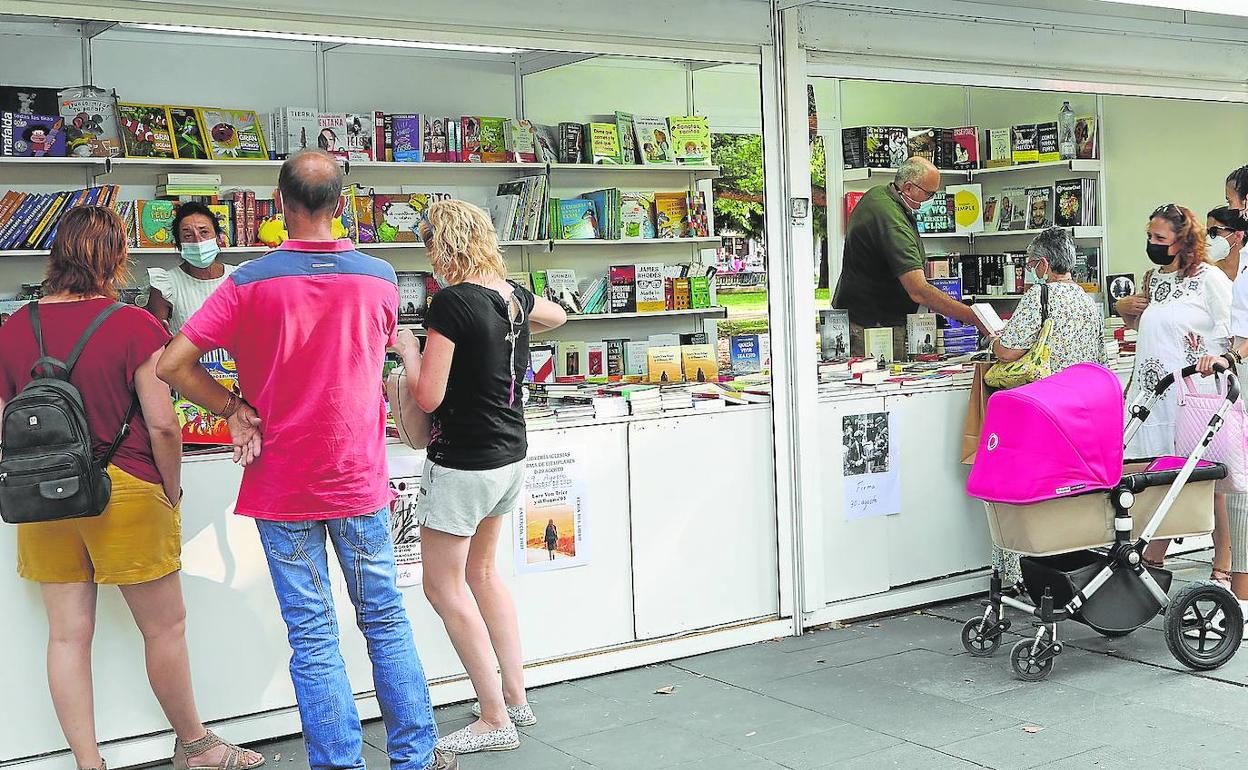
[870,464]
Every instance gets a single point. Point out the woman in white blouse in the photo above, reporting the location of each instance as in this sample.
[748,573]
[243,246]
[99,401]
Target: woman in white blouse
[176,294]
[1183,312]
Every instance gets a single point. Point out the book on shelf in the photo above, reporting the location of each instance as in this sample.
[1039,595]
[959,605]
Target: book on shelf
[636,358]
[562,288]
[637,215]
[29,99]
[1039,207]
[628,138]
[1015,209]
[491,139]
[29,135]
[407,138]
[542,362]
[671,214]
[397,217]
[154,220]
[297,128]
[691,139]
[650,288]
[653,137]
[700,292]
[1087,146]
[577,220]
[743,354]
[663,364]
[360,132]
[571,142]
[623,280]
[470,139]
[596,360]
[547,143]
[1047,144]
[434,141]
[572,359]
[694,338]
[833,333]
[921,143]
[968,209]
[878,343]
[189,138]
[1023,147]
[851,203]
[921,334]
[992,213]
[965,148]
[615,357]
[607,212]
[935,215]
[602,145]
[145,130]
[697,222]
[998,148]
[91,128]
[232,134]
[521,141]
[700,362]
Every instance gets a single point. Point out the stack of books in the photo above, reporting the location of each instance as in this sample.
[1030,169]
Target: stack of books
[177,186]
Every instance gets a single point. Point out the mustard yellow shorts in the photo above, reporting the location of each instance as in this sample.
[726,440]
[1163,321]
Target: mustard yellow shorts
[137,539]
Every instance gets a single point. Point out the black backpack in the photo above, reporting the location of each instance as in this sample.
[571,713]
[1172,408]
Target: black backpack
[47,469]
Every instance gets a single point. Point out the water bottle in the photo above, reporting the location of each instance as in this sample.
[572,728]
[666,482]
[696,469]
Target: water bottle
[1066,131]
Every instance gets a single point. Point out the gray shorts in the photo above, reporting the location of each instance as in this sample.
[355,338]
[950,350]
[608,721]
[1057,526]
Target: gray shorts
[455,502]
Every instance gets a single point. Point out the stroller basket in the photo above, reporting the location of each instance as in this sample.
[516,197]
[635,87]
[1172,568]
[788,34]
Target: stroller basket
[1122,605]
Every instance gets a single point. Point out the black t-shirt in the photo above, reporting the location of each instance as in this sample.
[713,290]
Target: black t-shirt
[480,424]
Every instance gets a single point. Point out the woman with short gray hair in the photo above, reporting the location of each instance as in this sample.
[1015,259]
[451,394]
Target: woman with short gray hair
[1077,336]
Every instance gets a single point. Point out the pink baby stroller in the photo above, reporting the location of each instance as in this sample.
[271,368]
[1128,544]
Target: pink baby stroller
[1050,470]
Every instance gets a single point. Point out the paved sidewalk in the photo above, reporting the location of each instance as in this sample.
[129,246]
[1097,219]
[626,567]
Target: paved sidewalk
[894,693]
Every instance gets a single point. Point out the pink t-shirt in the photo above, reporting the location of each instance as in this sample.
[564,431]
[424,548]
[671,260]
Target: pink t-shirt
[308,325]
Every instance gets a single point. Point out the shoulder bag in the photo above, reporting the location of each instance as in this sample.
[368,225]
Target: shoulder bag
[1035,363]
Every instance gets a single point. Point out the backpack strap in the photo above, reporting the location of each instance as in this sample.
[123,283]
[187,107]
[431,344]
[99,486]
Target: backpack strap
[54,367]
[90,330]
[122,432]
[1044,302]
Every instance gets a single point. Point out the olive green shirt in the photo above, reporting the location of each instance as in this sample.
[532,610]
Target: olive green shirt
[881,244]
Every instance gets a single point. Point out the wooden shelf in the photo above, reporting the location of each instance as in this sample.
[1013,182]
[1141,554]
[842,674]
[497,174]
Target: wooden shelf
[635,241]
[1074,166]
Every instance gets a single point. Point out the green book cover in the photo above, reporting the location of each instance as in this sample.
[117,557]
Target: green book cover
[628,139]
[602,146]
[493,140]
[539,282]
[700,291]
[691,139]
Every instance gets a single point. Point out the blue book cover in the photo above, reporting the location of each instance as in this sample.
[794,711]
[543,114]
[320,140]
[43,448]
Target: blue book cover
[578,220]
[952,287]
[744,354]
[408,138]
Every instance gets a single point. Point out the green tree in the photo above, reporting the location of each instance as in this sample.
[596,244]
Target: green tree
[739,191]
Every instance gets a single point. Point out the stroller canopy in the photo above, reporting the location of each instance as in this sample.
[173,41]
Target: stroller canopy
[1056,437]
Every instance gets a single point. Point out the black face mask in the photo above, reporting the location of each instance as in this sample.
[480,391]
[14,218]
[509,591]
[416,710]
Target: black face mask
[1159,253]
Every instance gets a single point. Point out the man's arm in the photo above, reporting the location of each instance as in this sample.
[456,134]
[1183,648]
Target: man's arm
[937,301]
[179,366]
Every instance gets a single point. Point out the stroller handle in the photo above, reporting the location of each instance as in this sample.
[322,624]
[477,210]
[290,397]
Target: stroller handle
[1232,383]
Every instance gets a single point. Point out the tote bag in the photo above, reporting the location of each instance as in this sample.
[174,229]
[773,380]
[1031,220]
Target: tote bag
[413,424]
[1195,410]
[1035,363]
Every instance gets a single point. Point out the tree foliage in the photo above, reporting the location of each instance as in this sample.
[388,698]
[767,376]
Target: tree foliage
[739,191]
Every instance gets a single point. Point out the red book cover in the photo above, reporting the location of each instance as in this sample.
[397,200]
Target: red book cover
[379,135]
[238,200]
[251,218]
[597,366]
[470,148]
[966,147]
[851,201]
[669,291]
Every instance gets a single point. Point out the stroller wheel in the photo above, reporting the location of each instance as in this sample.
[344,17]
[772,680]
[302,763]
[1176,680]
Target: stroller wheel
[1204,626]
[978,643]
[1028,666]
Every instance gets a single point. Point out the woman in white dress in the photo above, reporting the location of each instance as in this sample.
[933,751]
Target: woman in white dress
[174,295]
[1183,312]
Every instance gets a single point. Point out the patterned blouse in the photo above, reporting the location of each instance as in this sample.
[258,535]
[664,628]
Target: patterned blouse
[1078,325]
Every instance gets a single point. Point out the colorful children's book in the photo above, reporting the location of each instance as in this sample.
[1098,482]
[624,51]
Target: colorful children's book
[697,224]
[637,215]
[671,214]
[187,133]
[28,135]
[493,140]
[691,139]
[397,217]
[654,143]
[577,220]
[603,146]
[225,218]
[470,149]
[233,134]
[154,223]
[90,122]
[365,217]
[407,137]
[145,130]
[700,291]
[521,141]
[628,138]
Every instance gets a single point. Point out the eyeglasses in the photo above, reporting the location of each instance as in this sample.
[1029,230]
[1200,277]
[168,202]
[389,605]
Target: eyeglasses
[928,193]
[1170,211]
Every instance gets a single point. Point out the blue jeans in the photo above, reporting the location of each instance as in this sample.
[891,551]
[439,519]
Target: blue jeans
[299,563]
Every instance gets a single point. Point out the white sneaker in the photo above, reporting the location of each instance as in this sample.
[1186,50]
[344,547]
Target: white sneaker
[465,741]
[521,716]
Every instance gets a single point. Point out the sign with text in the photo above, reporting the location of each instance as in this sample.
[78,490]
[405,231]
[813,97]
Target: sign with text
[870,464]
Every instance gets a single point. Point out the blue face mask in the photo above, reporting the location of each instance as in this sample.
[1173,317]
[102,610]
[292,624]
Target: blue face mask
[200,254]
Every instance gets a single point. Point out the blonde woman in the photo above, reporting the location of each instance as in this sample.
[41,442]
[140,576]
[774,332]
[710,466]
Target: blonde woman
[470,378]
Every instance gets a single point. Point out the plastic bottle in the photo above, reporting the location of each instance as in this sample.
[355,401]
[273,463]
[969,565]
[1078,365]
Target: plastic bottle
[1066,131]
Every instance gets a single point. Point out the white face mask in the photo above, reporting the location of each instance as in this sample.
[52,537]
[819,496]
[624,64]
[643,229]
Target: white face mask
[1218,248]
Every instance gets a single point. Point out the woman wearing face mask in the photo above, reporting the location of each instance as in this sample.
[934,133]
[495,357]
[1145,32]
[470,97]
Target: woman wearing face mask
[1227,229]
[176,294]
[1182,313]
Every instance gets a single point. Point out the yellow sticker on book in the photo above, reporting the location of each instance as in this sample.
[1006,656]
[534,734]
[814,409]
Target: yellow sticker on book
[966,208]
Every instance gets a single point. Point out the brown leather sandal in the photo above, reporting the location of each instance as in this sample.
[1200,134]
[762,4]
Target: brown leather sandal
[1221,577]
[233,759]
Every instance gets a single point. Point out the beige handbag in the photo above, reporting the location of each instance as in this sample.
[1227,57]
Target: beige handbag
[413,424]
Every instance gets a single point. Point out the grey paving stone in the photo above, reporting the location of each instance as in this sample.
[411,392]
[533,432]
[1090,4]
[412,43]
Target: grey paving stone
[1046,703]
[1016,748]
[1199,696]
[727,713]
[756,664]
[653,744]
[1111,759]
[1141,730]
[800,724]
[818,638]
[959,678]
[1224,748]
[821,749]
[532,755]
[903,756]
[738,761]
[636,682]
[1106,674]
[567,711]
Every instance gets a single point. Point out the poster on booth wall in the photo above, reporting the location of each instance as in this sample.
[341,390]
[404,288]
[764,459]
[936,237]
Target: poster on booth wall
[550,522]
[405,531]
[870,465]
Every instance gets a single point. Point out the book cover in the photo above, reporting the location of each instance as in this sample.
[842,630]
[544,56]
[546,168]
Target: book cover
[623,288]
[965,148]
[90,122]
[992,213]
[232,134]
[1039,207]
[154,223]
[300,127]
[539,282]
[682,295]
[1014,208]
[616,358]
[628,138]
[935,215]
[920,334]
[596,360]
[637,215]
[397,217]
[225,217]
[1118,286]
[361,131]
[854,147]
[572,359]
[968,210]
[691,139]
[493,139]
[571,142]
[1023,147]
[663,364]
[603,145]
[522,141]
[953,288]
[700,291]
[578,220]
[700,363]
[562,287]
[878,343]
[650,295]
[997,148]
[32,100]
[636,358]
[671,214]
[187,133]
[697,223]
[833,334]
[365,217]
[898,145]
[470,139]
[406,137]
[921,142]
[547,138]
[654,143]
[145,130]
[332,133]
[877,146]
[28,135]
[436,143]
[1047,145]
[1068,210]
[1086,145]
[542,363]
[413,296]
[744,354]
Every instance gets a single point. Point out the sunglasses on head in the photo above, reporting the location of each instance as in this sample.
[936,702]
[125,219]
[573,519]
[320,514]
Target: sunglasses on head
[1170,211]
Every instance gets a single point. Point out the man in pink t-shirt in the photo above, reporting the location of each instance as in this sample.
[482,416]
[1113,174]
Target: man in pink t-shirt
[308,325]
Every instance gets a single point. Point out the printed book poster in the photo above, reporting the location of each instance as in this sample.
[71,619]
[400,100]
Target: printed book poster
[968,210]
[870,461]
[404,530]
[90,122]
[145,130]
[188,135]
[550,525]
[233,134]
